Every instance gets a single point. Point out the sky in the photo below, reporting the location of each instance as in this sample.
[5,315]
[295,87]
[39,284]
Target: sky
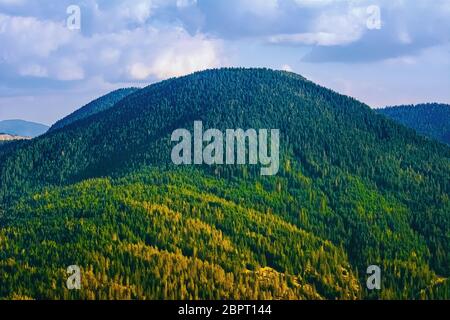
[58,55]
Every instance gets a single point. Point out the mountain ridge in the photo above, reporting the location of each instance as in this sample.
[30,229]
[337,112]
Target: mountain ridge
[429,119]
[98,105]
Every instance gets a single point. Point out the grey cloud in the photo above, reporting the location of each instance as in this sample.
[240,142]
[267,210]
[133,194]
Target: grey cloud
[408,27]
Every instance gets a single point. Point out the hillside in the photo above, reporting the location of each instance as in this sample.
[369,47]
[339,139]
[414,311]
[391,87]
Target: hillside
[354,189]
[431,120]
[103,103]
[7,139]
[22,128]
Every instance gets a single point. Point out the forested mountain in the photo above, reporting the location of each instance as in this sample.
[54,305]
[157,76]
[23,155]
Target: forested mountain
[22,128]
[103,103]
[354,189]
[432,119]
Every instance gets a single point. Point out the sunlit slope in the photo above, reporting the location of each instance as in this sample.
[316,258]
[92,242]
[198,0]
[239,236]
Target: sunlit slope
[159,236]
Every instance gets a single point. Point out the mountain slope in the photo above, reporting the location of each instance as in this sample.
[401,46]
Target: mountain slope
[22,128]
[358,188]
[7,139]
[431,120]
[192,245]
[103,103]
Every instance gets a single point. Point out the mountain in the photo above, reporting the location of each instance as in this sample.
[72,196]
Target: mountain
[8,137]
[431,120]
[103,103]
[354,189]
[22,128]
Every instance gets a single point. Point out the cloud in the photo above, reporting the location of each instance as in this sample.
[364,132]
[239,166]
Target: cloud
[259,7]
[187,56]
[186,3]
[138,10]
[314,3]
[11,2]
[68,70]
[33,70]
[286,67]
[336,30]
[149,40]
[407,28]
[328,29]
[179,54]
[45,49]
[28,36]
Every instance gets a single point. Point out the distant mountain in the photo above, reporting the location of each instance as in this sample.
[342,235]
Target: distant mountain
[432,119]
[354,189]
[9,137]
[22,128]
[103,103]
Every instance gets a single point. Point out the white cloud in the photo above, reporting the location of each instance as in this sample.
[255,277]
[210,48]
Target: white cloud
[404,37]
[258,7]
[136,10]
[40,48]
[149,53]
[328,30]
[313,3]
[286,67]
[186,57]
[68,70]
[178,54]
[186,3]
[317,38]
[33,70]
[139,71]
[28,36]
[11,2]
[154,39]
[404,60]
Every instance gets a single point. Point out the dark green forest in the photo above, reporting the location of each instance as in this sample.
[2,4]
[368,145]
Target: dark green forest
[431,119]
[354,189]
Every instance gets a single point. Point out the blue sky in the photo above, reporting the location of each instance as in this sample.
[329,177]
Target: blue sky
[382,52]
